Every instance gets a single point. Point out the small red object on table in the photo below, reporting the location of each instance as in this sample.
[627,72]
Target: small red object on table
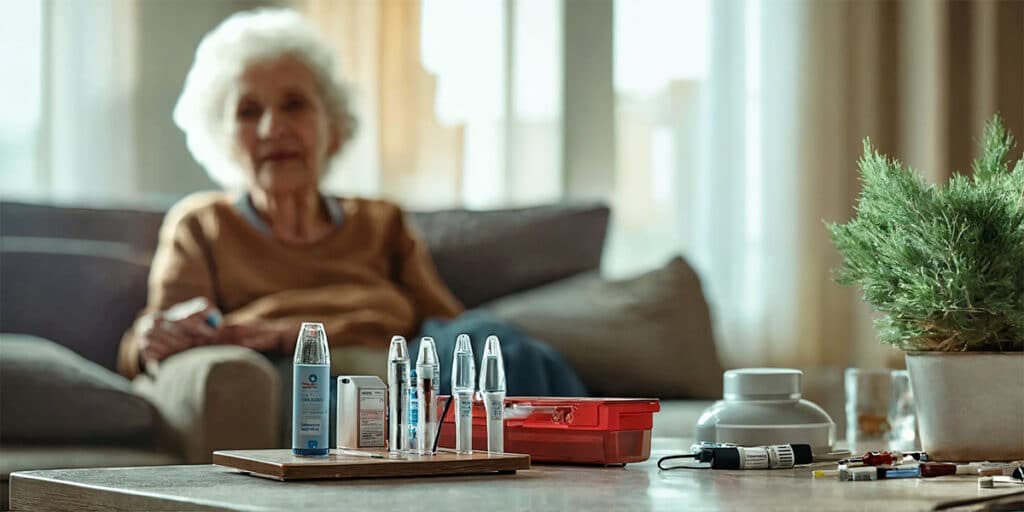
[600,431]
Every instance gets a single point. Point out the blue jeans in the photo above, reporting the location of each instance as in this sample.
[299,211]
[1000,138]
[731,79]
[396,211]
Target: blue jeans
[532,368]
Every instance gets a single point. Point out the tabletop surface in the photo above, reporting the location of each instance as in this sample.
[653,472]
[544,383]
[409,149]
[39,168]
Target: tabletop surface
[543,487]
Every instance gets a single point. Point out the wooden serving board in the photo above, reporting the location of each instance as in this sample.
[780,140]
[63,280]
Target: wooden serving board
[284,465]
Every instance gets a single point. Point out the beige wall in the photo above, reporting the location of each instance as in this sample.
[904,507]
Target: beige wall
[168,34]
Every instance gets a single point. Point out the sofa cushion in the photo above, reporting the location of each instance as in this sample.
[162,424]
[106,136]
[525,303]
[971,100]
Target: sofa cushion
[79,293]
[51,394]
[646,336]
[132,224]
[532,246]
[483,255]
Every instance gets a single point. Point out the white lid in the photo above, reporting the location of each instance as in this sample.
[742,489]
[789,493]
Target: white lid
[426,363]
[762,384]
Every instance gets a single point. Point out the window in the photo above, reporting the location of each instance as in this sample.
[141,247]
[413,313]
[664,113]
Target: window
[21,53]
[504,89]
[661,54]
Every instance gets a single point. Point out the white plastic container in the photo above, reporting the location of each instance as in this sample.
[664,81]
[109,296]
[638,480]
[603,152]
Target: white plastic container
[762,406]
[970,405]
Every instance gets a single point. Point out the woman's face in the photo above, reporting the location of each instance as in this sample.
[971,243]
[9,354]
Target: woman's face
[279,127]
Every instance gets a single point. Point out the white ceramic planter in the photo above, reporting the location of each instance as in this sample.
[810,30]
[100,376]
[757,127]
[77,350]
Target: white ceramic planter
[970,405]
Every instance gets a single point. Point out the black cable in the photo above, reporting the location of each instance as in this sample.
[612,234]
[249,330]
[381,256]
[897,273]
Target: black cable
[732,457]
[437,435]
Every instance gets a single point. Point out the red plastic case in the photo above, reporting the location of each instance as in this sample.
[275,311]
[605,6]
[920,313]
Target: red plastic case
[604,431]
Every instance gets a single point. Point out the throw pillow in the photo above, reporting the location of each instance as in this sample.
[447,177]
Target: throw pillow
[646,336]
[51,394]
[529,246]
[81,294]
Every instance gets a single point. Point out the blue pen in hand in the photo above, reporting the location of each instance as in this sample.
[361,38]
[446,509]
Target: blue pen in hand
[214,318]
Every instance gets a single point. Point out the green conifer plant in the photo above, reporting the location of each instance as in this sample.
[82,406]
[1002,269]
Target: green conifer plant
[944,265]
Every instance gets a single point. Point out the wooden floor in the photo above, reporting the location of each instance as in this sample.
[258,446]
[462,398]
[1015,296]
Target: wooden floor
[543,487]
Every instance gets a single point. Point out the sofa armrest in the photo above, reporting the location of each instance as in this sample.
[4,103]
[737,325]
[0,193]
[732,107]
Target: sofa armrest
[215,398]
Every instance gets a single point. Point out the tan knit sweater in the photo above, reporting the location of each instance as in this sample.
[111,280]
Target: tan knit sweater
[369,279]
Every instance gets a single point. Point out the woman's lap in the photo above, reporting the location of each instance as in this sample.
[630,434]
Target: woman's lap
[532,368]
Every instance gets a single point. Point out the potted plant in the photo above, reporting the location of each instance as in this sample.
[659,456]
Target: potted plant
[944,268]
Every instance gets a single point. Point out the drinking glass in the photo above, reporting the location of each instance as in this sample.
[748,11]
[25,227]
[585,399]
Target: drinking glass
[868,394]
[903,434]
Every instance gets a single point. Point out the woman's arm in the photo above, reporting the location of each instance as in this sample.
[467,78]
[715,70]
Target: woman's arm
[181,272]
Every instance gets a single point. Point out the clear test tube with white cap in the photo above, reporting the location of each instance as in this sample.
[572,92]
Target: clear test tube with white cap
[492,389]
[428,371]
[463,386]
[398,393]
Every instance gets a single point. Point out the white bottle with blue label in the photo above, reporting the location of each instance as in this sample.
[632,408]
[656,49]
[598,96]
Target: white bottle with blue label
[311,391]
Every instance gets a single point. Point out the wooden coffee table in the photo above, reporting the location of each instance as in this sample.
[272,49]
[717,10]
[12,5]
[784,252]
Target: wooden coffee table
[544,487]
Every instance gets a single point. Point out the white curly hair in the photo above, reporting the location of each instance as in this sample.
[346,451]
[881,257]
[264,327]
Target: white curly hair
[243,39]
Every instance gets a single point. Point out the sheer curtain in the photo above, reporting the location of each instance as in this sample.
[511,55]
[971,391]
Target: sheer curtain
[459,100]
[20,49]
[708,166]
[400,151]
[746,216]
[79,144]
[504,89]
[661,79]
[918,77]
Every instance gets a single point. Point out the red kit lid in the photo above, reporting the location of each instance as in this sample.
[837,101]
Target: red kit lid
[604,414]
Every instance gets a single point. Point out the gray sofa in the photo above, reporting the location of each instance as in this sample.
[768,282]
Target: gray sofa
[76,276]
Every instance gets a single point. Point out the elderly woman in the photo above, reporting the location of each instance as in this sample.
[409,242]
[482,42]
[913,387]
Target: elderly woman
[265,112]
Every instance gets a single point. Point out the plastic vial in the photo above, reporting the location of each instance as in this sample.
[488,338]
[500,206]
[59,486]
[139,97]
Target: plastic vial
[463,386]
[398,393]
[492,387]
[311,391]
[428,371]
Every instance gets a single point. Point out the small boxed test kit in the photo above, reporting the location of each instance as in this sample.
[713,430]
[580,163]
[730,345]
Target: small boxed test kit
[362,409]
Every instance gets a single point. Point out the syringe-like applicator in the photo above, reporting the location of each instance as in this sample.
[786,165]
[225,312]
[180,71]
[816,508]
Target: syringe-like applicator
[492,388]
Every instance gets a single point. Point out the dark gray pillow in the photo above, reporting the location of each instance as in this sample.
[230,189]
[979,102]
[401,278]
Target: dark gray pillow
[50,394]
[483,255]
[81,294]
[646,336]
